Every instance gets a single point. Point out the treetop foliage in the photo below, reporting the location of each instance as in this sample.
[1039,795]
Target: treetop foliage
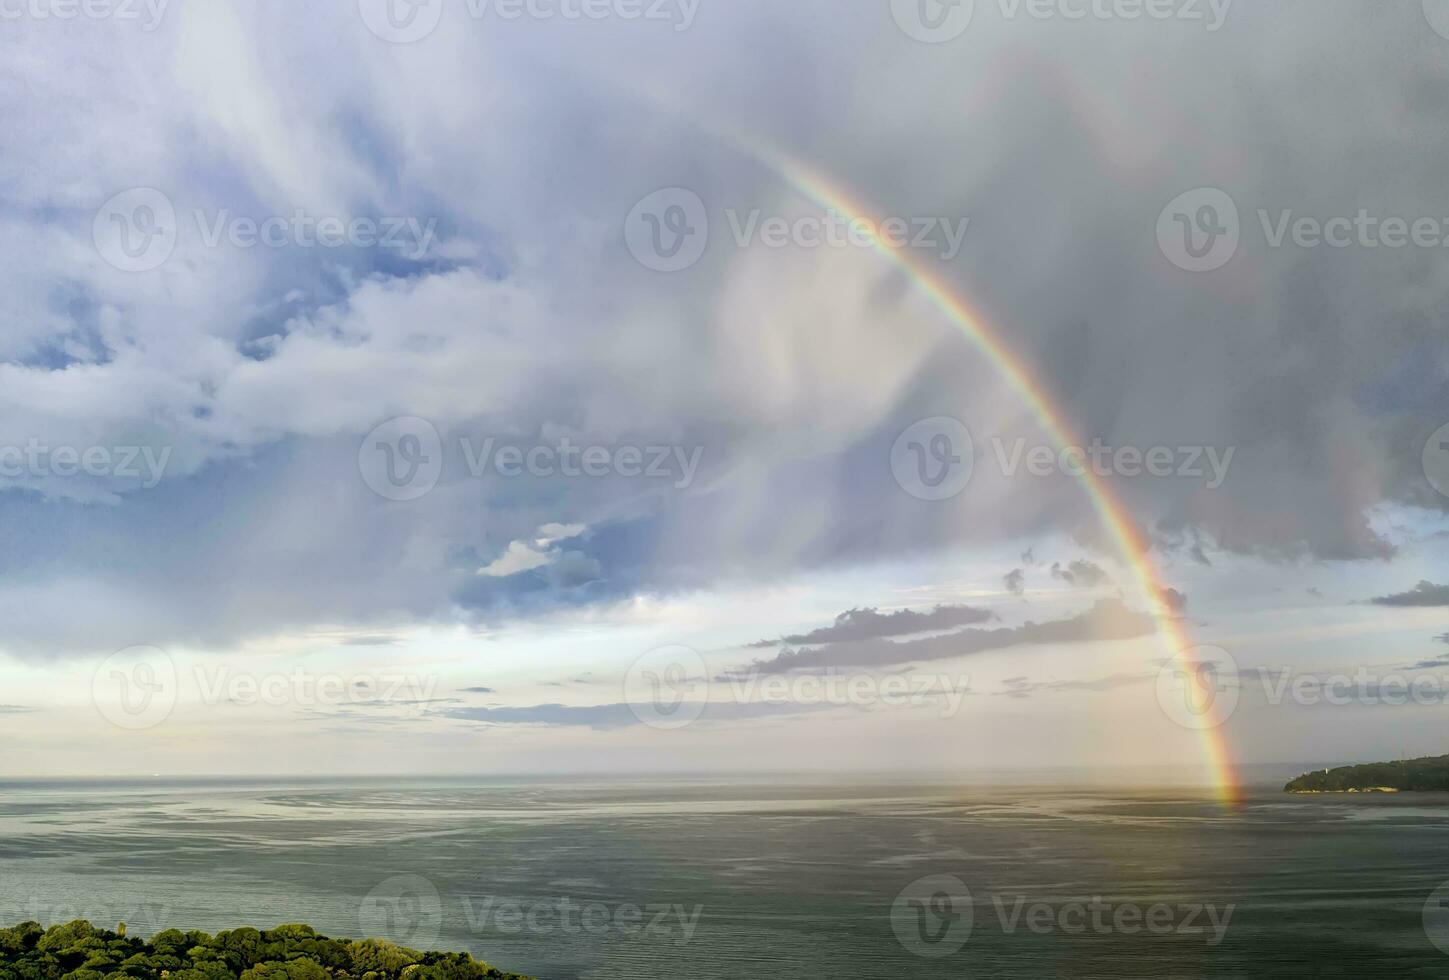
[80,951]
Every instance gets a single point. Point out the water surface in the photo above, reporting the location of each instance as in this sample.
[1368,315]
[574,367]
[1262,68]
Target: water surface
[806,878]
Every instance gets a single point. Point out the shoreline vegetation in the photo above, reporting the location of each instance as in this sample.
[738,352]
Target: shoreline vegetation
[1426,775]
[80,951]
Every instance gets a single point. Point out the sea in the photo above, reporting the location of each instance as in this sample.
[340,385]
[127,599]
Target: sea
[799,877]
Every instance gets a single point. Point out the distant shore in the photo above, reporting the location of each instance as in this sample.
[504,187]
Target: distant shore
[1330,792]
[1426,775]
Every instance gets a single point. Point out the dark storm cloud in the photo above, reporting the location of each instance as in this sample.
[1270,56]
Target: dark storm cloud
[1081,572]
[797,369]
[871,624]
[1422,595]
[1108,620]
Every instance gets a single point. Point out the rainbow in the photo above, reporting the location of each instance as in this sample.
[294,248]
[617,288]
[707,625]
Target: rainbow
[1115,518]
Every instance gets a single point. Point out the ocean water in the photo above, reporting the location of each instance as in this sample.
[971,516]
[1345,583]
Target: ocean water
[807,878]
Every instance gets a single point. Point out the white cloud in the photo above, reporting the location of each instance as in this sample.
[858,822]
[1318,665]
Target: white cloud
[519,557]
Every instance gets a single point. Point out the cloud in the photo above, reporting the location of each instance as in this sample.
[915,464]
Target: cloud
[795,369]
[585,678]
[1437,661]
[614,716]
[369,641]
[1081,572]
[574,569]
[519,557]
[1424,594]
[601,716]
[1015,582]
[540,552]
[1173,599]
[402,702]
[556,568]
[1108,620]
[1023,687]
[870,624]
[478,690]
[552,534]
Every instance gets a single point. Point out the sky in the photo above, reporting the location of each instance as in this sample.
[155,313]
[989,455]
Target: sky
[479,386]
